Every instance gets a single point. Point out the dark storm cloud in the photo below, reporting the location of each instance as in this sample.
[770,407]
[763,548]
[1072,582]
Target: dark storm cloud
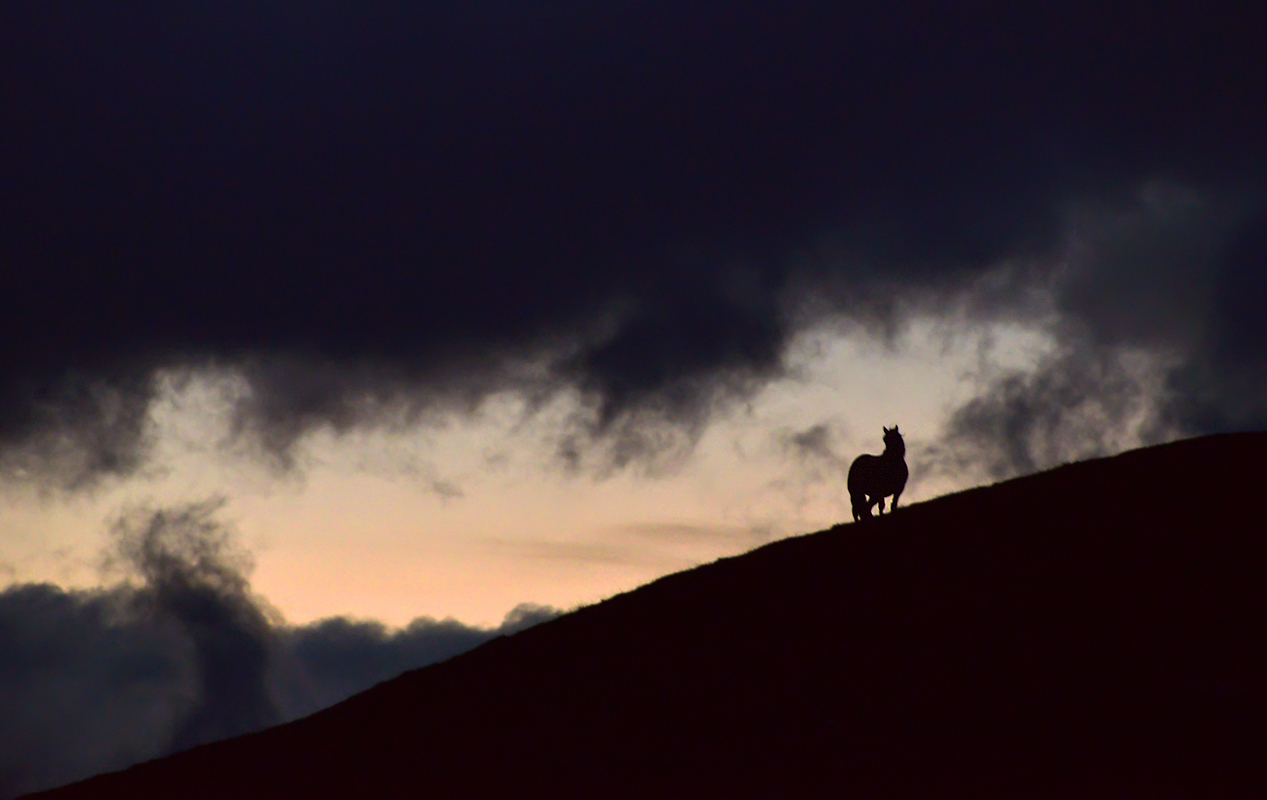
[96,680]
[1226,388]
[812,443]
[815,452]
[87,684]
[75,428]
[329,660]
[1157,334]
[375,209]
[1067,409]
[194,579]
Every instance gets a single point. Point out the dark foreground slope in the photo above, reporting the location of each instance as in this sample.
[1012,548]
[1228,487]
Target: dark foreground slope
[1096,630]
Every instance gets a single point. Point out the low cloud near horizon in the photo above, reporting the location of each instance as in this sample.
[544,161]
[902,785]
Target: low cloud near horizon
[96,680]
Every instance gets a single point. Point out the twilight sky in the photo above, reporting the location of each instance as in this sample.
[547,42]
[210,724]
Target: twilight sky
[430,310]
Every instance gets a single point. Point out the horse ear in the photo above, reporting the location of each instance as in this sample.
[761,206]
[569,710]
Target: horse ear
[895,428]
[886,430]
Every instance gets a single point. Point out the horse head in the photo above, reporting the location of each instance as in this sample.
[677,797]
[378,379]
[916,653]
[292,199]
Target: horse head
[893,441]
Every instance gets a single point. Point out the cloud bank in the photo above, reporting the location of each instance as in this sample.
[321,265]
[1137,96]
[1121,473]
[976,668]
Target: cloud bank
[95,680]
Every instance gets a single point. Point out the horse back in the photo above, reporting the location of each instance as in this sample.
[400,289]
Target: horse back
[860,472]
[877,476]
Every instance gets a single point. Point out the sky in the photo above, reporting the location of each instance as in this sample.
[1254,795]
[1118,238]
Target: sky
[367,316]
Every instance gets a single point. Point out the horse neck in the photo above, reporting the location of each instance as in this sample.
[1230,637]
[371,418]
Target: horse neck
[896,452]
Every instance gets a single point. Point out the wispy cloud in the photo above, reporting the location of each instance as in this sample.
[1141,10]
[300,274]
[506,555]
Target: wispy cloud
[675,533]
[592,553]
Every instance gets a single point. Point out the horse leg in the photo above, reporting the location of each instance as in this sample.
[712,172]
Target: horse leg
[881,511]
[895,497]
[861,506]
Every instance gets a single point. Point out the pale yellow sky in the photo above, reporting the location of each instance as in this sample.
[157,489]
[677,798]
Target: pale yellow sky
[473,517]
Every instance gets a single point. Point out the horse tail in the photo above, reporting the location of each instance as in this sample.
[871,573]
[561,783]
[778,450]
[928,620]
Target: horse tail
[857,493]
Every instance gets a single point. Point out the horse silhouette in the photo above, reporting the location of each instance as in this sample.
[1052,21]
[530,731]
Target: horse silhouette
[873,478]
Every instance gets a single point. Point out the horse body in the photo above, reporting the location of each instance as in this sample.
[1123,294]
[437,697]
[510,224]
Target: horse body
[873,478]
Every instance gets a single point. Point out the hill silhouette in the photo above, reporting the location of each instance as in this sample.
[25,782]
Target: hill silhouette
[1095,630]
